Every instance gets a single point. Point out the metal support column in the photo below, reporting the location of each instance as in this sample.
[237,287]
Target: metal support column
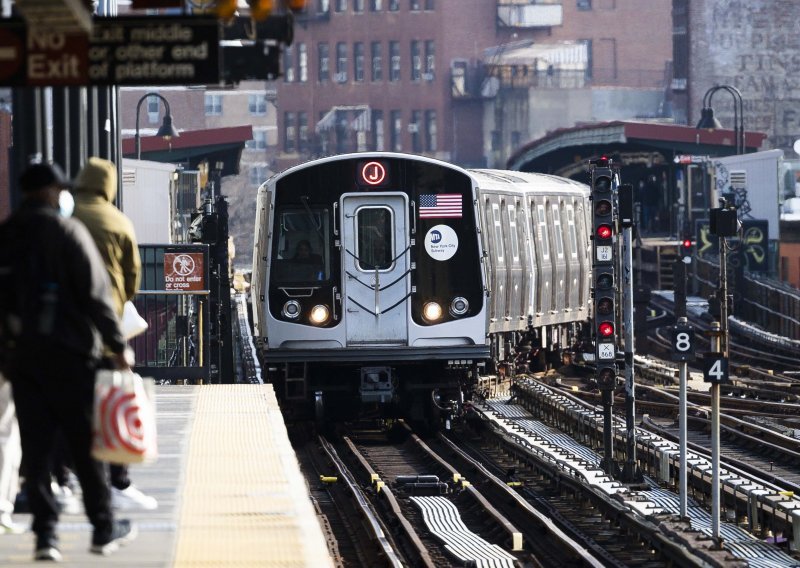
[630,472]
[683,420]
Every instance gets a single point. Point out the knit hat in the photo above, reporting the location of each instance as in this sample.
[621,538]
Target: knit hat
[39,176]
[98,177]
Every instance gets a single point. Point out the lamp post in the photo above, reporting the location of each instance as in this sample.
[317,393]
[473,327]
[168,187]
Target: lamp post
[166,131]
[707,120]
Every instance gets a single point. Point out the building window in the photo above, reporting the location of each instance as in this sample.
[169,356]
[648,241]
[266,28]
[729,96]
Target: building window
[302,62]
[414,128]
[213,105]
[152,110]
[430,58]
[289,134]
[378,133]
[430,131]
[258,174]
[358,6]
[358,61]
[377,61]
[516,138]
[302,132]
[341,62]
[288,64]
[414,5]
[394,5]
[257,104]
[584,4]
[397,131]
[429,6]
[416,61]
[376,5]
[497,140]
[394,59]
[324,71]
[341,5]
[323,6]
[341,131]
[259,141]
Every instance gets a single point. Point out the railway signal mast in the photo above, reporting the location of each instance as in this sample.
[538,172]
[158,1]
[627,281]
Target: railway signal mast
[604,287]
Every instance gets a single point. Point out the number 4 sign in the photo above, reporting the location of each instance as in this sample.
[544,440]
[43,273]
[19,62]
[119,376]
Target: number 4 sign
[715,368]
[682,342]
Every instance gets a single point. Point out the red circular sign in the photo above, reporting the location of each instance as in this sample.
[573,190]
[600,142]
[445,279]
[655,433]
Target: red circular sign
[373,173]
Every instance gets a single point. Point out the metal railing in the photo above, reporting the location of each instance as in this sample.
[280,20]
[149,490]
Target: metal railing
[175,347]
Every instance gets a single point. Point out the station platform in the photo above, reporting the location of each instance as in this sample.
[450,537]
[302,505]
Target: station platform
[228,485]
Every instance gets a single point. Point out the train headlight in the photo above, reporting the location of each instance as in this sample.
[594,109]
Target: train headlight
[432,311]
[319,314]
[459,306]
[291,310]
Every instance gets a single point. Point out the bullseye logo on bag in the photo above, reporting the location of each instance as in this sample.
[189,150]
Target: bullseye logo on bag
[122,423]
[441,242]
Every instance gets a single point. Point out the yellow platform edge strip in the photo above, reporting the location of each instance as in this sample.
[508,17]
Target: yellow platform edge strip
[244,500]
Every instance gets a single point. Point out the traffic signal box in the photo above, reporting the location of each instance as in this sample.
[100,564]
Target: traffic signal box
[604,283]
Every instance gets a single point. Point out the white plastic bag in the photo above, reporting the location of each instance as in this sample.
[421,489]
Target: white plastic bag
[132,323]
[124,422]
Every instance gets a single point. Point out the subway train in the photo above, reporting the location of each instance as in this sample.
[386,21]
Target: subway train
[388,284]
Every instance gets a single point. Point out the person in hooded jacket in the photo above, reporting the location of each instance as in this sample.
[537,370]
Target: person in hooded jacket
[95,190]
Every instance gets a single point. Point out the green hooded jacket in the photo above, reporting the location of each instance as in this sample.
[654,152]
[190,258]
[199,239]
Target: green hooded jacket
[113,233]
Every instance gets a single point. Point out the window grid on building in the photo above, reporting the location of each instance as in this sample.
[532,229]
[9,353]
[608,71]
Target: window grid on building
[302,62]
[358,6]
[431,143]
[394,5]
[377,61]
[430,60]
[257,104]
[289,132]
[324,72]
[376,5]
[414,5]
[394,57]
[397,131]
[416,61]
[414,128]
[341,62]
[378,134]
[213,105]
[358,61]
[341,5]
[288,64]
[302,132]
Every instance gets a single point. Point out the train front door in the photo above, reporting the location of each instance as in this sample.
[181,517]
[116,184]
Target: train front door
[376,259]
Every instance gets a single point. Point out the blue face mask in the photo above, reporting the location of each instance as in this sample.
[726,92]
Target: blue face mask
[66,203]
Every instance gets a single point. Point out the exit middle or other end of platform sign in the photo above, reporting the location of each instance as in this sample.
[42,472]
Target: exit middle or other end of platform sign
[155,50]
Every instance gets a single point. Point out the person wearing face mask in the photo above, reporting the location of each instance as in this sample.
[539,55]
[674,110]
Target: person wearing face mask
[56,316]
[95,190]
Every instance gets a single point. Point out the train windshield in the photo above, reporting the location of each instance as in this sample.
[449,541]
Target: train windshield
[375,229]
[301,253]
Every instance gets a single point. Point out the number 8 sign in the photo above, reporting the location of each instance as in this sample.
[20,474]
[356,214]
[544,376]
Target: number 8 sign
[682,342]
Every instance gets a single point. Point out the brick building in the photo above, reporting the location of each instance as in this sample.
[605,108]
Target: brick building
[417,75]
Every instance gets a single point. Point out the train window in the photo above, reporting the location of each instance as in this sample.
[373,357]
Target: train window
[557,230]
[543,232]
[374,229]
[573,236]
[512,224]
[498,232]
[302,246]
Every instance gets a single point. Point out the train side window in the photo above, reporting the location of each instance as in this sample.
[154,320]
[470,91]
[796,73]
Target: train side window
[498,232]
[374,238]
[557,230]
[543,238]
[573,237]
[512,224]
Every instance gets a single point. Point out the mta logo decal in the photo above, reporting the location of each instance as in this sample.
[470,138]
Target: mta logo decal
[436,237]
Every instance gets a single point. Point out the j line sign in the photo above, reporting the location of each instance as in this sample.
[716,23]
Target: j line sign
[166,50]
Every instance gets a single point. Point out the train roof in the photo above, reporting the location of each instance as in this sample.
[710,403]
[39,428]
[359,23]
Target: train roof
[524,182]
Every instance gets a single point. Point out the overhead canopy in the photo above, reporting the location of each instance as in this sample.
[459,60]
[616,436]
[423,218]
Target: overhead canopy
[562,55]
[193,147]
[357,117]
[562,150]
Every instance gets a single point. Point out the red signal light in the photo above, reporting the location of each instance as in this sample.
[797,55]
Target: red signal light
[604,232]
[605,329]
[687,243]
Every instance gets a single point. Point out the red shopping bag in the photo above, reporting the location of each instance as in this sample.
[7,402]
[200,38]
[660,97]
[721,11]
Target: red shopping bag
[124,424]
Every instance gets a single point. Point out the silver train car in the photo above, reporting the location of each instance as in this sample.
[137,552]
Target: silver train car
[389,283]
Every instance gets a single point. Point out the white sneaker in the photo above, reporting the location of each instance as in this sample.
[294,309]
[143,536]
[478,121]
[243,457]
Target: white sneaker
[7,525]
[131,498]
[70,505]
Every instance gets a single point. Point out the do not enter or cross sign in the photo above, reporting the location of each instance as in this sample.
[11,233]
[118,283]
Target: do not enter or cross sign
[184,271]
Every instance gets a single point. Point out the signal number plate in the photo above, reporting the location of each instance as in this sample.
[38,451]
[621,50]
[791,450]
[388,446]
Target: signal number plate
[605,351]
[603,253]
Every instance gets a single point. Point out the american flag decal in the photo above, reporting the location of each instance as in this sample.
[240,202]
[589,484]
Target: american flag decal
[440,205]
